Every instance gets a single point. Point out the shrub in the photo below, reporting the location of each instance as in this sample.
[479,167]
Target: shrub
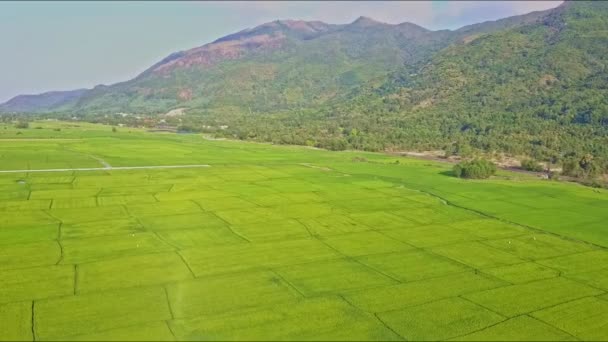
[531,165]
[553,175]
[22,124]
[585,167]
[476,169]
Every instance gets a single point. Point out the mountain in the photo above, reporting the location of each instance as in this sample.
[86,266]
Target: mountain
[277,66]
[536,89]
[45,101]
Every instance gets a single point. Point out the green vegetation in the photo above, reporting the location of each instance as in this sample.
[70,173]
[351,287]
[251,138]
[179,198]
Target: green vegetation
[476,169]
[267,237]
[22,124]
[531,165]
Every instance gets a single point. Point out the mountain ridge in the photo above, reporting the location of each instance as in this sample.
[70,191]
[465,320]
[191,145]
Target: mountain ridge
[410,44]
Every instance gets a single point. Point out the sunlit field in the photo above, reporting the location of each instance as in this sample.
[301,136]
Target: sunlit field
[259,242]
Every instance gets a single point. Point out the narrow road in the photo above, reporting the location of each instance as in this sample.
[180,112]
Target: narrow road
[105,164]
[110,168]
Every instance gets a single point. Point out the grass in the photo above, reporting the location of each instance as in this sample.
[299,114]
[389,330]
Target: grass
[281,242]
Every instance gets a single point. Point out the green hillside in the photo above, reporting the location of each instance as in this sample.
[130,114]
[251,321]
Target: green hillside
[269,68]
[536,89]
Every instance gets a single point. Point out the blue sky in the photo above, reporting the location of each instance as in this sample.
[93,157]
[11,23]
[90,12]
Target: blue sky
[68,45]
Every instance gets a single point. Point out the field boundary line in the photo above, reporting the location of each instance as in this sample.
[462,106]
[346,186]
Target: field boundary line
[388,326]
[484,214]
[33,324]
[110,168]
[374,314]
[551,325]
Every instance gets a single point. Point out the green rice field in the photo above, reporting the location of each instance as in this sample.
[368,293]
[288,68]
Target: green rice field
[263,242]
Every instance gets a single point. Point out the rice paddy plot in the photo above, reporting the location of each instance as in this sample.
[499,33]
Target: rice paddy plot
[438,214]
[364,243]
[183,221]
[59,318]
[332,224]
[25,205]
[16,321]
[132,271]
[200,237]
[111,246]
[73,203]
[333,276]
[477,255]
[440,320]
[29,255]
[309,211]
[156,331]
[489,228]
[598,278]
[164,208]
[272,230]
[320,318]
[250,215]
[412,265]
[382,220]
[224,203]
[100,228]
[103,200]
[64,194]
[430,235]
[578,263]
[221,294]
[538,246]
[587,318]
[80,215]
[132,190]
[521,328]
[33,283]
[520,299]
[521,273]
[29,234]
[241,257]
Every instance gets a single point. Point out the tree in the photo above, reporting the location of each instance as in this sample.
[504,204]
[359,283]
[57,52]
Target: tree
[531,165]
[22,124]
[475,169]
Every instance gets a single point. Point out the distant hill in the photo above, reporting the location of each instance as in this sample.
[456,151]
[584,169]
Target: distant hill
[41,102]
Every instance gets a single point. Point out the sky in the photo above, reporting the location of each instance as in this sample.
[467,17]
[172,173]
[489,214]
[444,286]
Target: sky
[69,45]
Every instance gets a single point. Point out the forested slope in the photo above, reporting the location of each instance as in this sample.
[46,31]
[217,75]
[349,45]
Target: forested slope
[536,89]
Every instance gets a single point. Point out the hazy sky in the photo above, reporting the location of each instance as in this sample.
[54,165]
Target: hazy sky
[67,45]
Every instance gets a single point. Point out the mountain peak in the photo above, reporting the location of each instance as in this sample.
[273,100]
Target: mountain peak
[364,21]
